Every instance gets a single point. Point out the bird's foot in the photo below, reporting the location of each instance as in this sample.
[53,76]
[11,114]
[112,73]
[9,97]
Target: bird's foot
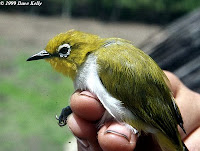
[63,116]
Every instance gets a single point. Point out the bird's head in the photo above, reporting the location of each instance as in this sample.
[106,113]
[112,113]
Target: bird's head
[67,51]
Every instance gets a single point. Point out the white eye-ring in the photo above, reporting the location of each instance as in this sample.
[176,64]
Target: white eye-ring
[64,50]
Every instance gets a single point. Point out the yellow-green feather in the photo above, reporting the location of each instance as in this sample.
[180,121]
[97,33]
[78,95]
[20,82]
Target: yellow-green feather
[81,45]
[129,75]
[134,78]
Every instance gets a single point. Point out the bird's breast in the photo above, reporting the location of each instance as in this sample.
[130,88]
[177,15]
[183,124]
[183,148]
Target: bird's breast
[88,79]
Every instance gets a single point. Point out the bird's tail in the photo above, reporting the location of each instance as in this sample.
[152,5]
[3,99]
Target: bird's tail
[165,143]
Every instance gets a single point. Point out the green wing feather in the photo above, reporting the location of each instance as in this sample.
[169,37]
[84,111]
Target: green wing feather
[134,78]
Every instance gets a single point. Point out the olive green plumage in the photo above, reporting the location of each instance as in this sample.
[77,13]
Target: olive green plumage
[141,85]
[128,75]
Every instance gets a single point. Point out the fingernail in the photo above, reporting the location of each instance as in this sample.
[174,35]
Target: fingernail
[88,94]
[120,130]
[83,142]
[123,131]
[117,133]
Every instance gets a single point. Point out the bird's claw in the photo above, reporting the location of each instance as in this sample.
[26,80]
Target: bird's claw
[61,122]
[57,118]
[63,116]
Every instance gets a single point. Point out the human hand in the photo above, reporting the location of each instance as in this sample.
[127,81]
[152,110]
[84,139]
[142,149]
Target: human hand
[87,111]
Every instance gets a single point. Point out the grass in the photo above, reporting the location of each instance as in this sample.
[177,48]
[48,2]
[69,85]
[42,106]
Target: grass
[31,94]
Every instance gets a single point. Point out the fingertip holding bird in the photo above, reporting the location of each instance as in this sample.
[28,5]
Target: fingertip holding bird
[114,136]
[85,104]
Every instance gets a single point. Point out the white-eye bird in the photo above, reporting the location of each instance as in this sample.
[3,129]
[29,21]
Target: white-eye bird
[130,85]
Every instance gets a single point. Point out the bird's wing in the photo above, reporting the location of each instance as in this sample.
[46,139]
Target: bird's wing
[132,77]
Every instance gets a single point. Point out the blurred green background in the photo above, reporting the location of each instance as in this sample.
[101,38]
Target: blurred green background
[31,93]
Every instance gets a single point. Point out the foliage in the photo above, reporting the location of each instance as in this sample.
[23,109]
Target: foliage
[31,94]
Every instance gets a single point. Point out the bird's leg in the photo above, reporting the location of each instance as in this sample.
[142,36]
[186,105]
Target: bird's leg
[63,116]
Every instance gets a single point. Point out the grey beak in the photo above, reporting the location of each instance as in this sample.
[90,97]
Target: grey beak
[41,55]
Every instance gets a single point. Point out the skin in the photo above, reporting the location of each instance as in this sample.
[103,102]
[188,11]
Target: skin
[87,110]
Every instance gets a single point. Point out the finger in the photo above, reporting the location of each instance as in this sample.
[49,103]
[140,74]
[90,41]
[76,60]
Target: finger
[85,132]
[114,136]
[86,105]
[174,81]
[188,104]
[192,141]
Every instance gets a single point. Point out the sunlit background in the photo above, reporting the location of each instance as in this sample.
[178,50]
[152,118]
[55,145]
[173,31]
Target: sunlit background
[31,93]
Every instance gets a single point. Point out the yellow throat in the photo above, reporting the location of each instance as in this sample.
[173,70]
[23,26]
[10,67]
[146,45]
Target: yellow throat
[78,44]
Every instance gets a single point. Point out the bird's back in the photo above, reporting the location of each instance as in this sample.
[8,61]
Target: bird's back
[136,80]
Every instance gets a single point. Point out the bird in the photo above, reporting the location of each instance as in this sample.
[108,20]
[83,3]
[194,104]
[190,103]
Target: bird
[130,85]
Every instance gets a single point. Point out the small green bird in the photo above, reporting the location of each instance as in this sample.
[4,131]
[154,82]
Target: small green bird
[129,84]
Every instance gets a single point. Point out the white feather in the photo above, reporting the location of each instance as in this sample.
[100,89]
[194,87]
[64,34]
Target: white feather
[88,79]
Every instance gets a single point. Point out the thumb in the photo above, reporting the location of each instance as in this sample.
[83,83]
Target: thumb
[115,136]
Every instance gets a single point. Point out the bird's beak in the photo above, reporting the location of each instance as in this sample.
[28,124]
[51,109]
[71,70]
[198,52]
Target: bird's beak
[41,55]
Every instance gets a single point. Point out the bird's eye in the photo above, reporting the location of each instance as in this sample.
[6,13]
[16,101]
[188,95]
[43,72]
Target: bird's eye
[64,50]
